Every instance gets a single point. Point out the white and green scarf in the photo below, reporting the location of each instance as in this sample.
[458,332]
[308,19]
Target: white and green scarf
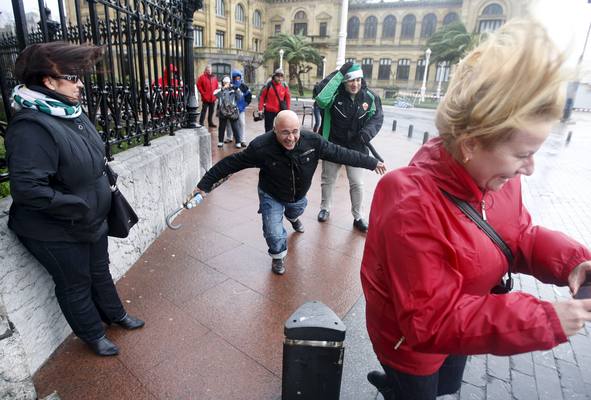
[23,97]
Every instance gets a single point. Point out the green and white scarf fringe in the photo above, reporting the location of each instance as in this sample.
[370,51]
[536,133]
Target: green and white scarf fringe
[23,97]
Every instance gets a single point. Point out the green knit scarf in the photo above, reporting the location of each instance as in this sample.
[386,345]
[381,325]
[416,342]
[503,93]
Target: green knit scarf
[23,97]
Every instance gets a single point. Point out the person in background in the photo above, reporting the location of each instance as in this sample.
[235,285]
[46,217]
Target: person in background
[207,84]
[275,97]
[287,158]
[432,278]
[60,191]
[242,104]
[228,98]
[352,116]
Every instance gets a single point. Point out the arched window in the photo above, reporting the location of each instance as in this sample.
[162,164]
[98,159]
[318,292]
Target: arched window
[371,27]
[491,18]
[389,29]
[428,26]
[220,8]
[353,28]
[257,19]
[300,25]
[449,18]
[492,9]
[239,13]
[408,27]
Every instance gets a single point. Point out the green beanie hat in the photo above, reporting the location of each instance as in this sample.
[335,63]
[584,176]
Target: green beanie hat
[354,72]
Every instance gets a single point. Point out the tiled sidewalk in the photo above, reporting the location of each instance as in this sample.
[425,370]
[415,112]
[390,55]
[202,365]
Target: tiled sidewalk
[214,311]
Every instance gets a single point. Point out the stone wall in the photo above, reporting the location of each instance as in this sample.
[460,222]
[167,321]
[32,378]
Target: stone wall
[155,180]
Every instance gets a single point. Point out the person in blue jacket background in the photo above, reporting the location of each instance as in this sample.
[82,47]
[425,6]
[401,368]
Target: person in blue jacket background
[242,104]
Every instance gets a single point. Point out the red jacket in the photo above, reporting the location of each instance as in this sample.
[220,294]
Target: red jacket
[207,84]
[427,269]
[269,100]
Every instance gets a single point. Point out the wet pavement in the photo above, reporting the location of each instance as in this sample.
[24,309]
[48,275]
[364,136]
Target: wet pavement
[214,311]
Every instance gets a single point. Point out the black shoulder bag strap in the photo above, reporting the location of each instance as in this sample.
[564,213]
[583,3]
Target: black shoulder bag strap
[492,234]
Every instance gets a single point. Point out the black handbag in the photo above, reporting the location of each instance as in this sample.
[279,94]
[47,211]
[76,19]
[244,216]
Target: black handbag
[506,285]
[121,217]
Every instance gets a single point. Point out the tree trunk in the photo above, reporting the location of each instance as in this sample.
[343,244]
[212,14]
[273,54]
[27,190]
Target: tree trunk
[300,85]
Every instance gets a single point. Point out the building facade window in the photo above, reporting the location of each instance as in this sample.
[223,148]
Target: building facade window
[219,39]
[220,70]
[353,28]
[389,27]
[449,18]
[300,25]
[489,25]
[198,36]
[220,8]
[322,29]
[442,72]
[277,29]
[353,60]
[370,28]
[367,67]
[491,18]
[239,13]
[385,68]
[403,69]
[420,70]
[428,26]
[256,45]
[239,42]
[257,19]
[408,27]
[492,9]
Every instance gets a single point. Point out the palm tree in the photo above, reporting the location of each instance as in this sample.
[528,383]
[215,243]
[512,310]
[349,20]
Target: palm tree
[298,52]
[451,43]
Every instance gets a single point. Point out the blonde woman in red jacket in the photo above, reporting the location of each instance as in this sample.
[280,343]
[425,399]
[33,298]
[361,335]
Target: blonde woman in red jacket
[428,270]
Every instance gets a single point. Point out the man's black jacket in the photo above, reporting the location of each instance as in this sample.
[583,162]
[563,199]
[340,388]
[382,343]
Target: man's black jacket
[285,174]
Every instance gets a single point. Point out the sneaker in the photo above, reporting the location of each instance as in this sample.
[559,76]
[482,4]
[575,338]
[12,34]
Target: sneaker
[380,381]
[244,144]
[297,225]
[220,144]
[277,266]
[323,215]
[360,224]
[238,145]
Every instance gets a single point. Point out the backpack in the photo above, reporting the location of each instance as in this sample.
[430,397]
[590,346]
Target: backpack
[227,107]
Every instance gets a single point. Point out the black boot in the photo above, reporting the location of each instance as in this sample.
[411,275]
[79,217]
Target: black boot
[380,381]
[103,347]
[130,322]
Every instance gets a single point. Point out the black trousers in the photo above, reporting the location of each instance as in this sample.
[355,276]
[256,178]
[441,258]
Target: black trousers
[206,108]
[83,284]
[413,387]
[236,129]
[269,118]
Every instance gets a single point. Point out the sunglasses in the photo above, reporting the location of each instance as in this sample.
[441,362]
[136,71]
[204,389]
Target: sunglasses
[70,78]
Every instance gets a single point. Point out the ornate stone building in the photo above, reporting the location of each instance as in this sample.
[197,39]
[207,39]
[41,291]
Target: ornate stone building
[387,38]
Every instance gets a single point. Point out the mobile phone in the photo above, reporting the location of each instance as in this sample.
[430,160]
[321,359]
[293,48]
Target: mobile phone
[584,291]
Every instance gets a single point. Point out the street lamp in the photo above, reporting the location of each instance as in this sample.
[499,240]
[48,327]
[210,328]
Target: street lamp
[281,58]
[323,67]
[424,87]
[441,71]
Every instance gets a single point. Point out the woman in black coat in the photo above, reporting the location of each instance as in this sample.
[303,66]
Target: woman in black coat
[61,194]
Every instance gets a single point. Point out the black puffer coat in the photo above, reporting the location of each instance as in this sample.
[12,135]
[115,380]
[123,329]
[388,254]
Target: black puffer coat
[58,183]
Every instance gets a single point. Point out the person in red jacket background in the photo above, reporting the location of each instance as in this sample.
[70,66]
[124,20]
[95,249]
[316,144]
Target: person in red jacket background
[274,97]
[207,83]
[430,275]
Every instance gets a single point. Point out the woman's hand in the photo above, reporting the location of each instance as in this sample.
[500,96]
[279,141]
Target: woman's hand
[573,314]
[380,168]
[578,275]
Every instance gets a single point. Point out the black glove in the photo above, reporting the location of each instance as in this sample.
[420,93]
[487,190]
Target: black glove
[346,66]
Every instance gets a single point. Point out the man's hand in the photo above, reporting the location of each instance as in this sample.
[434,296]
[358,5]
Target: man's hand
[193,194]
[345,67]
[380,168]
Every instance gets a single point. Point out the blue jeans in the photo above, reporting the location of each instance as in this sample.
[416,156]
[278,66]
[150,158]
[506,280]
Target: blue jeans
[272,211]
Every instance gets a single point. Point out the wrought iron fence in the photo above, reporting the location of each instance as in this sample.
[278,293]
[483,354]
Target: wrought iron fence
[145,85]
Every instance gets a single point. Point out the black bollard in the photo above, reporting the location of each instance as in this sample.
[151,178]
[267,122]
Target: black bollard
[425,137]
[410,128]
[313,354]
[394,125]
[570,134]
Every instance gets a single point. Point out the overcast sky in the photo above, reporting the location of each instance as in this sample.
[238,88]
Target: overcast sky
[567,21]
